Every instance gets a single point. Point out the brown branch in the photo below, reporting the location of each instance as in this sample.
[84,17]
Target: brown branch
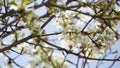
[76,54]
[10,13]
[77,65]
[6,26]
[5,5]
[12,32]
[86,59]
[90,21]
[47,21]
[12,60]
[57,33]
[14,44]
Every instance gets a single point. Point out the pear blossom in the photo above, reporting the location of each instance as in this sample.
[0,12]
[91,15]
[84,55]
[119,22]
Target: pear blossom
[59,59]
[71,33]
[14,7]
[23,46]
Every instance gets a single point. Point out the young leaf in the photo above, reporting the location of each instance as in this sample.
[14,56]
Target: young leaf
[35,32]
[43,32]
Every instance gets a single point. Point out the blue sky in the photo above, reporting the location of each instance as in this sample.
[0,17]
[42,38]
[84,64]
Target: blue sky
[22,60]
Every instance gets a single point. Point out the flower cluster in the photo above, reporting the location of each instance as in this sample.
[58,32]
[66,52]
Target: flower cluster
[96,38]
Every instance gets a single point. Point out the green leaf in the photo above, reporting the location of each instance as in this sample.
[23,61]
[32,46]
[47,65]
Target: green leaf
[43,32]
[118,12]
[71,23]
[28,26]
[50,10]
[35,32]
[54,1]
[25,20]
[51,63]
[32,20]
[25,2]
[45,39]
[0,19]
[115,52]
[13,3]
[29,13]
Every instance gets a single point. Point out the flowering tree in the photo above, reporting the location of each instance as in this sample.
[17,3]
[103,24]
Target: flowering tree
[59,33]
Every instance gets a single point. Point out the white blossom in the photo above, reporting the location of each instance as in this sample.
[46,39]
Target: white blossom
[72,36]
[23,46]
[59,58]
[14,7]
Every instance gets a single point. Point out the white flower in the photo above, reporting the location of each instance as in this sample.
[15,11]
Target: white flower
[71,32]
[22,23]
[64,18]
[14,7]
[59,59]
[69,14]
[94,27]
[31,64]
[70,36]
[23,46]
[6,63]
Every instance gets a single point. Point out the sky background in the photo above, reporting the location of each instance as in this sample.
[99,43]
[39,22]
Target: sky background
[22,60]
